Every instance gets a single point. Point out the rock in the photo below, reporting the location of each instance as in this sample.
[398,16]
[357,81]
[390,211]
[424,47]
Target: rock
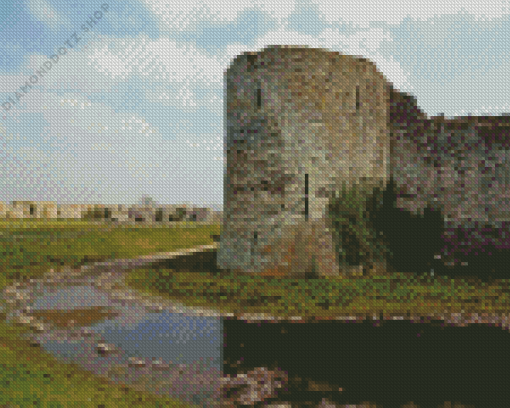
[326,404]
[105,349]
[84,331]
[159,365]
[261,385]
[136,362]
[154,308]
[24,319]
[39,327]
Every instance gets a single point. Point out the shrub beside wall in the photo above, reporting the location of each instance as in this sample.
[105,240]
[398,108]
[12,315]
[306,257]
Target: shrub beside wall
[353,213]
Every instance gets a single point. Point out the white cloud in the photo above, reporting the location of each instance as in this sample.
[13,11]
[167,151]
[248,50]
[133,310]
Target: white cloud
[178,15]
[107,62]
[393,12]
[365,43]
[42,11]
[95,138]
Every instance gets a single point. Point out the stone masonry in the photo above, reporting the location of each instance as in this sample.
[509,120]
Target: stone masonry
[301,121]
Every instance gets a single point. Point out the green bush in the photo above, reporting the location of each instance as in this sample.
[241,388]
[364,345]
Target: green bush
[352,213]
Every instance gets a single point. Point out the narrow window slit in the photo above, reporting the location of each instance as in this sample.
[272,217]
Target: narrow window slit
[259,98]
[255,239]
[306,197]
[357,98]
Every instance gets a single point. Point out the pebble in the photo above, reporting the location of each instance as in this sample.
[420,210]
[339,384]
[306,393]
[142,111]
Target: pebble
[105,348]
[86,332]
[159,365]
[39,327]
[24,319]
[154,308]
[136,362]
[261,384]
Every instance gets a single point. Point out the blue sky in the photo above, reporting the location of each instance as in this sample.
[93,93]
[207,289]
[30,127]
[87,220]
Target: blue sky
[136,106]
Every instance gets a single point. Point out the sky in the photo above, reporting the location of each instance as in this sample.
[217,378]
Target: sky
[106,101]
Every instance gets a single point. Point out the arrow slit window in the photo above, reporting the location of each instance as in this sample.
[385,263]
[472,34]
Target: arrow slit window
[255,239]
[306,197]
[357,98]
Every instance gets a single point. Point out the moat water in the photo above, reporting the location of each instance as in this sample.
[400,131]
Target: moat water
[386,362]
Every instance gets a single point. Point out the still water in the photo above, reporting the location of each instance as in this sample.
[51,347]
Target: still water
[428,361]
[189,345]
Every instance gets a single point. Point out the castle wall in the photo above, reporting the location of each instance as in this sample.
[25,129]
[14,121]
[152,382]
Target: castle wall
[460,167]
[299,123]
[455,165]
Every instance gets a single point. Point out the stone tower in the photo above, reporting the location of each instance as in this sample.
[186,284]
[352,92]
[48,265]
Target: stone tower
[300,122]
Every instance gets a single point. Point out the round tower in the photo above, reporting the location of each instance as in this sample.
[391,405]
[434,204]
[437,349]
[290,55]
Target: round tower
[300,122]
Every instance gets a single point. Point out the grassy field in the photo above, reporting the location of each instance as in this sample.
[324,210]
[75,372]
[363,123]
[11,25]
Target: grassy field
[32,377]
[30,249]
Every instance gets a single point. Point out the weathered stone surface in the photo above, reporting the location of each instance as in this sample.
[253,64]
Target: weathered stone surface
[299,123]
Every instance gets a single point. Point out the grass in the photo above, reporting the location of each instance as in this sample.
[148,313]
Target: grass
[28,375]
[374,291]
[378,293]
[31,377]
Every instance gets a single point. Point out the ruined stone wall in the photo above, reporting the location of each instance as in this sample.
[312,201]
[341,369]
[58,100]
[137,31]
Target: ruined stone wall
[116,212]
[459,167]
[455,165]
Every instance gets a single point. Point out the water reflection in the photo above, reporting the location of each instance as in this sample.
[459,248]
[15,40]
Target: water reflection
[176,354]
[388,362]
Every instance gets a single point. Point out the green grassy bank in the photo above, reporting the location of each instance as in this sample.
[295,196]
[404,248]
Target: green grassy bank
[31,377]
[377,293]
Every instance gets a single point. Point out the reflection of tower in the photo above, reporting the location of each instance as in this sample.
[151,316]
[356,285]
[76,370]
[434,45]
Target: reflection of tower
[299,123]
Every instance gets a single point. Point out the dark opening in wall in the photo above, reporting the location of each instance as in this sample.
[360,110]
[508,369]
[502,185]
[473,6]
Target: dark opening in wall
[306,197]
[31,210]
[255,238]
[357,98]
[259,98]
